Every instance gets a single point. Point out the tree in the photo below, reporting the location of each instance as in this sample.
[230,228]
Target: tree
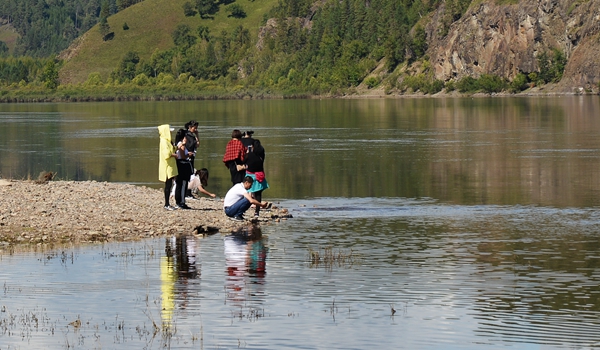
[127,67]
[104,27]
[3,49]
[123,4]
[188,9]
[50,75]
[419,41]
[203,33]
[206,8]
[182,36]
[236,11]
[551,67]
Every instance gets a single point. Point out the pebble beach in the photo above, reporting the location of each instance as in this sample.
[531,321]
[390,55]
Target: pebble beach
[59,212]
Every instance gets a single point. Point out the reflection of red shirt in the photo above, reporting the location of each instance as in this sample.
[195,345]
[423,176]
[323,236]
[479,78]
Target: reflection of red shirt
[235,150]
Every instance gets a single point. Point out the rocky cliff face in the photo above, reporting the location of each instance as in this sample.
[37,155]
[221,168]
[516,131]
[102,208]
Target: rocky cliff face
[506,39]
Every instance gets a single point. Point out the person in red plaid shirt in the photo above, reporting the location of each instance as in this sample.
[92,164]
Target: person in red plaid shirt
[234,157]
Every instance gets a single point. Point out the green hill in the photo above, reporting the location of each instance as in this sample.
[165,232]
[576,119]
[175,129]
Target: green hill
[151,24]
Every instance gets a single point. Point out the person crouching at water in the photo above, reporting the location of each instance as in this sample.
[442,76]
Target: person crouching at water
[238,200]
[184,167]
[234,156]
[199,181]
[167,165]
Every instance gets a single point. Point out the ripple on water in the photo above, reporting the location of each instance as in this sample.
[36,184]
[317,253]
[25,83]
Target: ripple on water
[422,274]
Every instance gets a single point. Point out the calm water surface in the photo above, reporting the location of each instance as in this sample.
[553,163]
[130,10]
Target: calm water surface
[453,224]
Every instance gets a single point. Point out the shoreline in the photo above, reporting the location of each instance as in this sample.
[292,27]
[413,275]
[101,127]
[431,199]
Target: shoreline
[76,212]
[549,90]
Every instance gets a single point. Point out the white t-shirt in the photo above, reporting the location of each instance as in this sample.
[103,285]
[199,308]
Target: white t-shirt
[234,195]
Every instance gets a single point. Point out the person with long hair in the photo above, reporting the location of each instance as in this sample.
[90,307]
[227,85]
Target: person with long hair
[255,169]
[184,167]
[199,181]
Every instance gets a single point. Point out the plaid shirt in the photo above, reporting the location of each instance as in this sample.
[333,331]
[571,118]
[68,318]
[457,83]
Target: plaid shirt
[235,150]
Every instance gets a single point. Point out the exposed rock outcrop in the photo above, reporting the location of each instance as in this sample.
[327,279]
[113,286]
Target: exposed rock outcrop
[505,40]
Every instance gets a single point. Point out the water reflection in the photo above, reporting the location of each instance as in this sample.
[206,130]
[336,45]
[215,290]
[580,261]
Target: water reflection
[538,151]
[245,257]
[178,269]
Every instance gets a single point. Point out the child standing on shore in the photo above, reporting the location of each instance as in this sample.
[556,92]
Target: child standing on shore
[167,166]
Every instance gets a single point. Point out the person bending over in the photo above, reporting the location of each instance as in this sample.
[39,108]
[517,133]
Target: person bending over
[238,200]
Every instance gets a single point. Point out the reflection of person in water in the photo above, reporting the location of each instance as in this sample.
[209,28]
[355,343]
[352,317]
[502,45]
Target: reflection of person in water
[167,287]
[246,268]
[177,268]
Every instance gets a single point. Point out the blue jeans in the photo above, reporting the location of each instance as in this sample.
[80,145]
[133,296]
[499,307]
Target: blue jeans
[238,208]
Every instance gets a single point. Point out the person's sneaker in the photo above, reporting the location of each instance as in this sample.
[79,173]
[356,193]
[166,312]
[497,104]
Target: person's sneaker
[168,207]
[184,206]
[237,218]
[175,207]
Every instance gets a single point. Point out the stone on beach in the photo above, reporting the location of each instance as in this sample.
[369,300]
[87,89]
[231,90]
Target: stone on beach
[90,211]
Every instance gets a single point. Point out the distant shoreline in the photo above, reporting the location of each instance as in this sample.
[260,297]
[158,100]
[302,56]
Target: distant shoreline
[72,95]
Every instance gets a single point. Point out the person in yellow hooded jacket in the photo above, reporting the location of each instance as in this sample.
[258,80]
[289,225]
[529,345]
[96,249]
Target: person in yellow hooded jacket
[167,165]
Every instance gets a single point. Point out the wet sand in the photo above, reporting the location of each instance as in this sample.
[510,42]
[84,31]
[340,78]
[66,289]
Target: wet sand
[55,212]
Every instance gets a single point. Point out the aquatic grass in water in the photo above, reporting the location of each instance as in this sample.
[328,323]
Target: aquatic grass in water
[330,258]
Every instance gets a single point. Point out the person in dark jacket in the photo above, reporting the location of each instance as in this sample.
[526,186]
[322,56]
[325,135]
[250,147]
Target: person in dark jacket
[255,169]
[234,157]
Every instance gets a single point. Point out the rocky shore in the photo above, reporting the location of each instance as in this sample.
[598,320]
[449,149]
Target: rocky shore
[50,212]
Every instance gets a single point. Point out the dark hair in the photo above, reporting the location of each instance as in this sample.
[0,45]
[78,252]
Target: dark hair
[248,179]
[180,135]
[258,149]
[191,123]
[236,134]
[248,133]
[203,175]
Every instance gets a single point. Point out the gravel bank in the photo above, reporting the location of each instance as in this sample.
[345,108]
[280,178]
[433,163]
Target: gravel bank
[77,212]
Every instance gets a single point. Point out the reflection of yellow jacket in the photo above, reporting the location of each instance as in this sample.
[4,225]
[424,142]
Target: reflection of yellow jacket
[167,166]
[167,288]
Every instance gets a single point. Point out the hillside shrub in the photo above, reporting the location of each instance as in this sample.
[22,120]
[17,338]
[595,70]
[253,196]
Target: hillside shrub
[141,80]
[467,85]
[94,79]
[519,83]
[489,83]
[371,82]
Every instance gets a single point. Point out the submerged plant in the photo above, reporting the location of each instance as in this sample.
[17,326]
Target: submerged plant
[330,258]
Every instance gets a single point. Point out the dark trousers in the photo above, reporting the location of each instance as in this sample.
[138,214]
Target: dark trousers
[184,167]
[168,185]
[236,176]
[258,196]
[238,209]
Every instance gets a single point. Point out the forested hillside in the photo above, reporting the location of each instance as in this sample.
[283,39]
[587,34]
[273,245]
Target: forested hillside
[46,27]
[188,48]
[295,46]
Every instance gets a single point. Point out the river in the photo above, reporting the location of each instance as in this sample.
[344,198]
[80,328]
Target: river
[426,223]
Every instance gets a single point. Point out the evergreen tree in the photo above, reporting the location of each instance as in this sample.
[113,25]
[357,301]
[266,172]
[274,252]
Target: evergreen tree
[104,26]
[206,8]
[3,49]
[182,36]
